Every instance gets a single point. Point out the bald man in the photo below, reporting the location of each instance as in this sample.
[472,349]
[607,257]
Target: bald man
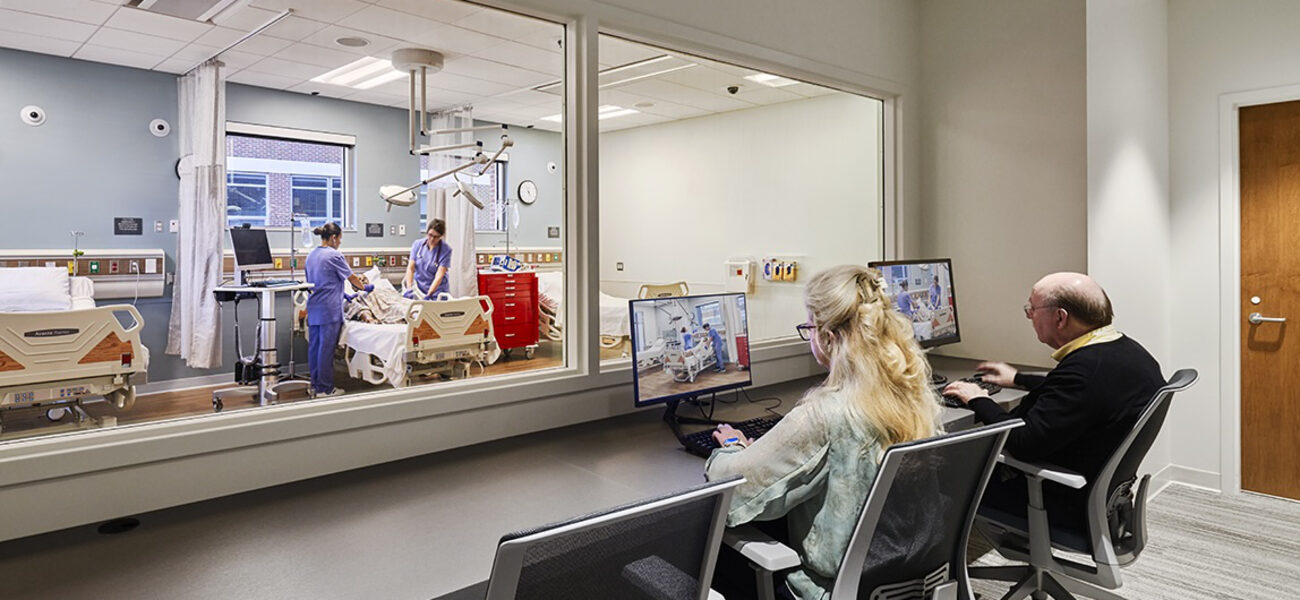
[1079,413]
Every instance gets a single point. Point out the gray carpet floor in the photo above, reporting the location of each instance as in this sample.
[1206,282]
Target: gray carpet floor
[1202,545]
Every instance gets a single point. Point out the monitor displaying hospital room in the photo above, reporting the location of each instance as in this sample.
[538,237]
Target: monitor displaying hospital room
[688,346]
[922,291]
[252,251]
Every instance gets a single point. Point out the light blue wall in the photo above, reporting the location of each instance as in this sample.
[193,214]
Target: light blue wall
[94,159]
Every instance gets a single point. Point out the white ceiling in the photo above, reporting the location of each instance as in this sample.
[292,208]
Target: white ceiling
[493,58]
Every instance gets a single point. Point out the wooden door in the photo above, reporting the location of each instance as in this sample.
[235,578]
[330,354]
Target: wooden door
[1270,286]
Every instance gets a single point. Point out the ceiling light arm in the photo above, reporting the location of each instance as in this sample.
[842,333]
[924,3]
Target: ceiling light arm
[433,149]
[391,196]
[506,142]
[464,129]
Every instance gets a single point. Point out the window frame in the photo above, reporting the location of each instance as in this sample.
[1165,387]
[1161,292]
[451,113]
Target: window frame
[266,193]
[348,142]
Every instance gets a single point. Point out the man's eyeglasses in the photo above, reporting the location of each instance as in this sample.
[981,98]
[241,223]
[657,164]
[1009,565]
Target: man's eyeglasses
[1029,309]
[805,331]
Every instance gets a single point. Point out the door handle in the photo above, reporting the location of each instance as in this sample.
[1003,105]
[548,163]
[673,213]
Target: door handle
[1256,318]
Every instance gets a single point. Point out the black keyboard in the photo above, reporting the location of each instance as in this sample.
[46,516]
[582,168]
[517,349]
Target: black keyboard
[272,282]
[701,443]
[989,388]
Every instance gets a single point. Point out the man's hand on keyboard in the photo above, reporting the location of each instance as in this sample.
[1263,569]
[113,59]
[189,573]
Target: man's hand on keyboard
[1000,373]
[727,435]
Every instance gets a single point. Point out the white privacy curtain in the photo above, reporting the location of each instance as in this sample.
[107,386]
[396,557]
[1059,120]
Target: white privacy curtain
[194,331]
[455,210]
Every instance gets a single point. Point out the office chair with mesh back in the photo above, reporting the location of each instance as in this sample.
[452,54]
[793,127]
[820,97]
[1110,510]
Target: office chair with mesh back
[1116,518]
[658,549]
[665,290]
[910,540]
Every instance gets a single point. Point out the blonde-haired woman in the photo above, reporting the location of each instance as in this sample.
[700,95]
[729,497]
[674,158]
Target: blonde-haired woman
[817,465]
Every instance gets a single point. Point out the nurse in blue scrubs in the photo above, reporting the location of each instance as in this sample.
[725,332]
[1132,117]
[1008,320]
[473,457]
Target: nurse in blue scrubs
[718,348]
[686,339]
[426,272]
[327,270]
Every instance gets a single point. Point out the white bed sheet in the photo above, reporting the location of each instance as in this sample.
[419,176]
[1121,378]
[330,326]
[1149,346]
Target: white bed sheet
[388,342]
[614,320]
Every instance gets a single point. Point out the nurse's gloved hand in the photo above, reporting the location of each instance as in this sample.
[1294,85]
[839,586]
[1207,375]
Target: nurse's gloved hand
[370,287]
[348,297]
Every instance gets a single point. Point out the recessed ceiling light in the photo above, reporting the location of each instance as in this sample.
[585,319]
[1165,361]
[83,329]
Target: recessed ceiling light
[770,80]
[607,111]
[352,42]
[362,74]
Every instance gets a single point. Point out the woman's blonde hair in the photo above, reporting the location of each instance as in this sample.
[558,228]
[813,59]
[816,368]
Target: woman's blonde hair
[872,354]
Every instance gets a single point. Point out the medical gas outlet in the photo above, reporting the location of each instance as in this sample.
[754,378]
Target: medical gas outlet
[780,269]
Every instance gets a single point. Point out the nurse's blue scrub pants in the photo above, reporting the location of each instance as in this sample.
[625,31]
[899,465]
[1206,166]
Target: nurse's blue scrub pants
[320,355]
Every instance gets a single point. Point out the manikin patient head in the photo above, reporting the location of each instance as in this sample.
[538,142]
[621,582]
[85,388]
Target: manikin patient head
[1064,306]
[871,353]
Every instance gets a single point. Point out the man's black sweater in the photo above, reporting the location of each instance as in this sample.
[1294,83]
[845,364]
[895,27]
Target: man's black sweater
[1078,414]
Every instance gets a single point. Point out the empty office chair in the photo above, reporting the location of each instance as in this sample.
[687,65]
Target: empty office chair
[910,541]
[1116,519]
[658,549]
[666,290]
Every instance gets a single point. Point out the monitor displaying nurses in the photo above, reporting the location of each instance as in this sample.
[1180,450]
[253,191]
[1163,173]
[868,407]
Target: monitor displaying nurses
[688,346]
[922,291]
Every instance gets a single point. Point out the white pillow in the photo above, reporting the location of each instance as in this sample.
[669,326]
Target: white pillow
[30,289]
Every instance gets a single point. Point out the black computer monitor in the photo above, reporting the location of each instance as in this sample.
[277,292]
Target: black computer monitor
[252,251]
[674,353]
[923,291]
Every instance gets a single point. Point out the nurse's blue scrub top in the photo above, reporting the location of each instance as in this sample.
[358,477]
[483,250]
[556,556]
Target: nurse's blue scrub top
[327,269]
[426,263]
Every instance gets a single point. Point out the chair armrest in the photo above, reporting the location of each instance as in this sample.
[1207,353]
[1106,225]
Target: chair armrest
[713,595]
[760,549]
[1056,474]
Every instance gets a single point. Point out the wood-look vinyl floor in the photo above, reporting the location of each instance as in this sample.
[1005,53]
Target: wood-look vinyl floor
[198,401]
[1206,546]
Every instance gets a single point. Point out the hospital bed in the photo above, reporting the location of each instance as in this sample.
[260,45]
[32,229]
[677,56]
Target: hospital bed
[615,326]
[686,365]
[434,337]
[653,356]
[58,359]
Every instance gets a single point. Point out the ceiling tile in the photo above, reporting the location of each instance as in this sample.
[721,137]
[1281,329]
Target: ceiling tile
[391,23]
[263,79]
[661,107]
[234,59]
[808,90]
[258,44]
[530,97]
[177,66]
[528,57]
[246,18]
[135,42]
[614,51]
[325,11]
[681,94]
[316,55]
[82,11]
[479,68]
[379,46]
[507,25]
[37,43]
[443,11]
[294,28]
[372,97]
[703,78]
[450,39]
[329,91]
[58,29]
[286,68]
[117,56]
[149,23]
[548,41]
[761,94]
[468,85]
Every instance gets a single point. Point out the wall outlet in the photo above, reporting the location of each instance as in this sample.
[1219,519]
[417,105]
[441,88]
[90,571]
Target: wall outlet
[392,230]
[157,226]
[618,266]
[174,226]
[401,230]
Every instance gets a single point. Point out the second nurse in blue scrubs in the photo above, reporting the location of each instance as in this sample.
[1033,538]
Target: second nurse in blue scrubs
[327,270]
[426,273]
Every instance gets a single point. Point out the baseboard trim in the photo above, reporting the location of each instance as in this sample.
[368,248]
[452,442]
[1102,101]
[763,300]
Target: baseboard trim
[187,383]
[1198,478]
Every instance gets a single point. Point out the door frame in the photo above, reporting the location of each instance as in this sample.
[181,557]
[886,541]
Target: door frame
[1230,274]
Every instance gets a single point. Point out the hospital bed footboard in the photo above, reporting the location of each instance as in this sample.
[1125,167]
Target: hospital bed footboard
[58,359]
[442,338]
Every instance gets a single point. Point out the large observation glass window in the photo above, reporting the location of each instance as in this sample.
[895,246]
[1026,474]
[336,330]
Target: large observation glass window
[705,165]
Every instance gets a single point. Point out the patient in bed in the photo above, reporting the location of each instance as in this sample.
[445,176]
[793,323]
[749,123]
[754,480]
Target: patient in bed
[382,305]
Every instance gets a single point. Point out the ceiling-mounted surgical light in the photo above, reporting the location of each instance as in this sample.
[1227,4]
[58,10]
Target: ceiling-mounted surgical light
[396,195]
[464,190]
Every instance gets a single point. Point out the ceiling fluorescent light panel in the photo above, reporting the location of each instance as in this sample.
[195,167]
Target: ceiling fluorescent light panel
[770,80]
[362,74]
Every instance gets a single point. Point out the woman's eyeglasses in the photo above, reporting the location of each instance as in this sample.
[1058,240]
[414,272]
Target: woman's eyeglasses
[805,331]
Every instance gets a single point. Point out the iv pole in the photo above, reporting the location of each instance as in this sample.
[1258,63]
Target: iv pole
[293,265]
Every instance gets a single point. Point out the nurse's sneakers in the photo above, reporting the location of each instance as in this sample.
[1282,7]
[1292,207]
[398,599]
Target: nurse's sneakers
[329,394]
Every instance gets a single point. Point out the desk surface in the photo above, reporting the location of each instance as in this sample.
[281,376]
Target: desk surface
[417,528]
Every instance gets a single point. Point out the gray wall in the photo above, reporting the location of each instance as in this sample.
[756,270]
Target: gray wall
[94,159]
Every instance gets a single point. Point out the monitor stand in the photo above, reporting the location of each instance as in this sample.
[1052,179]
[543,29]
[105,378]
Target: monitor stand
[675,421]
[936,379]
